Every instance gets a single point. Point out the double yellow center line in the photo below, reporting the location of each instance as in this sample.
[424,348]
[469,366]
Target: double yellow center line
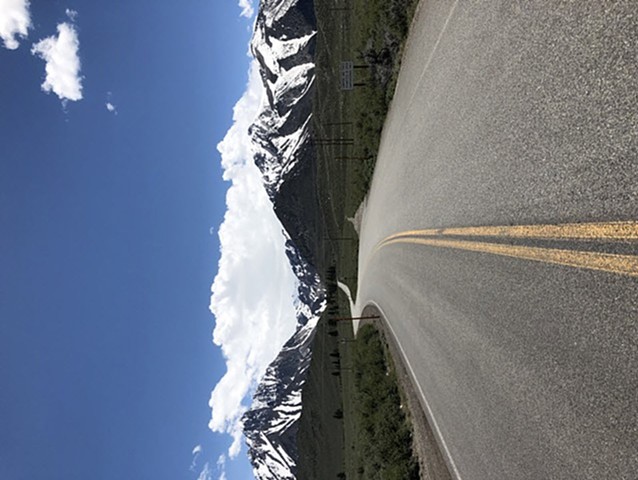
[626,232]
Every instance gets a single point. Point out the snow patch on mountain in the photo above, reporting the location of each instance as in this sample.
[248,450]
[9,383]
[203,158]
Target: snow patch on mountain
[283,43]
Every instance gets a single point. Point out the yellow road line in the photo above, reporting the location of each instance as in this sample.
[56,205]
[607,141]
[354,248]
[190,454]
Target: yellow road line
[611,231]
[607,262]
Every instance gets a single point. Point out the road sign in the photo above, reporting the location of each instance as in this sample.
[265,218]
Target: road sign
[347,75]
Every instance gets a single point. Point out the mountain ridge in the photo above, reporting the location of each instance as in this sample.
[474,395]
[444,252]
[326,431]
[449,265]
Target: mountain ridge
[283,44]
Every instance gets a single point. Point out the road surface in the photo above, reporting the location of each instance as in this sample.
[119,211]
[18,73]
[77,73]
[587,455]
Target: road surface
[523,339]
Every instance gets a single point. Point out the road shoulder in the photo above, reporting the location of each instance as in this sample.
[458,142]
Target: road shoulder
[425,446]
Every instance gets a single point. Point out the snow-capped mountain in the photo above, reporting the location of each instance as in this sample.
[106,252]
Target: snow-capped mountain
[283,43]
[271,424]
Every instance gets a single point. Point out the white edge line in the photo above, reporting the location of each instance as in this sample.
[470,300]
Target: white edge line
[436,46]
[448,456]
[345,289]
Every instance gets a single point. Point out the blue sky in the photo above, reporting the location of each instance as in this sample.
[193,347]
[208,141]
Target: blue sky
[109,221]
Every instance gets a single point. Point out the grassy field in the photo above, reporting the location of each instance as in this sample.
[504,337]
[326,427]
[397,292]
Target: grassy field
[337,427]
[326,414]
[320,437]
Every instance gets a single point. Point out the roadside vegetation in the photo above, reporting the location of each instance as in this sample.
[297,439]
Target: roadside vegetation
[383,437]
[353,424]
[379,33]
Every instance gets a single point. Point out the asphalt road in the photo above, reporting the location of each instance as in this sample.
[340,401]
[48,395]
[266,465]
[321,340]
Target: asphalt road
[524,343]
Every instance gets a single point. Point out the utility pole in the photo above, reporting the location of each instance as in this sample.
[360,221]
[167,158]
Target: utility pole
[335,141]
[336,124]
[351,319]
[351,158]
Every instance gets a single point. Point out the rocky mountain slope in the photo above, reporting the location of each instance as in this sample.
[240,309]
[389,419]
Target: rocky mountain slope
[284,45]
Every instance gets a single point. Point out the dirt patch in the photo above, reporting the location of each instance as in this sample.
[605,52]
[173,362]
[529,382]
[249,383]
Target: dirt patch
[358,216]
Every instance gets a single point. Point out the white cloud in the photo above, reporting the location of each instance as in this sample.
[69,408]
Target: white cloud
[221,467]
[252,295]
[206,473]
[197,450]
[15,20]
[247,9]
[72,14]
[110,106]
[62,63]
